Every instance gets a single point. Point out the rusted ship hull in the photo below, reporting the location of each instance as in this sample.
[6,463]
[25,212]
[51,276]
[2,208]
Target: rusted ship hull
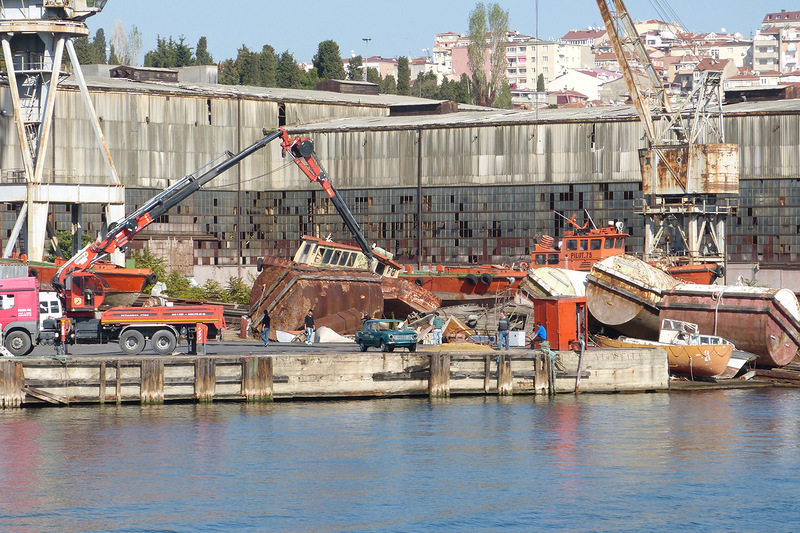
[624,292]
[287,290]
[708,360]
[765,322]
[458,285]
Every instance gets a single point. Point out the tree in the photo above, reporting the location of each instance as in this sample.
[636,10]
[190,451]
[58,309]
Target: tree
[99,48]
[354,69]
[169,54]
[493,22]
[388,85]
[84,50]
[373,76]
[247,67]
[426,85]
[184,56]
[289,75]
[463,90]
[267,65]
[127,47]
[328,61]
[403,76]
[228,74]
[310,79]
[202,57]
[112,57]
[503,99]
[540,88]
[134,46]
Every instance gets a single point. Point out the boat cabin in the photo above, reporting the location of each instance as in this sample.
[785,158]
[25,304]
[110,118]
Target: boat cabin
[580,248]
[328,254]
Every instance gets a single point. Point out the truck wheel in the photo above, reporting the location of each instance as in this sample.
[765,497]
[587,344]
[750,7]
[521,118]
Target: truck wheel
[362,346]
[131,342]
[164,342]
[19,343]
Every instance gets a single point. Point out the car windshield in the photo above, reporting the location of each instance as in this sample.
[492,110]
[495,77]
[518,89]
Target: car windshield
[391,326]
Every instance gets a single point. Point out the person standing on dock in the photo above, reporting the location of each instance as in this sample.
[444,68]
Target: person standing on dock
[438,324]
[502,331]
[309,322]
[540,335]
[265,328]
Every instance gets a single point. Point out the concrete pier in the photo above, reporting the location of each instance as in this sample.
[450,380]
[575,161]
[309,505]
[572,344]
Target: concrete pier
[159,379]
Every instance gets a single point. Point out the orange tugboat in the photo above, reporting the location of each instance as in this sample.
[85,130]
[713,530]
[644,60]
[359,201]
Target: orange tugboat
[581,247]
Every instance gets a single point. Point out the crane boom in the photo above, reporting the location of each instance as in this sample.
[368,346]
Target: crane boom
[623,36]
[85,295]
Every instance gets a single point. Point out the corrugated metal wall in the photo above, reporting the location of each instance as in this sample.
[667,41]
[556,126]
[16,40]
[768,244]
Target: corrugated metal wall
[535,168]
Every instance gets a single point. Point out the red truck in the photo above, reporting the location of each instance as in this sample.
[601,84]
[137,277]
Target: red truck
[132,327]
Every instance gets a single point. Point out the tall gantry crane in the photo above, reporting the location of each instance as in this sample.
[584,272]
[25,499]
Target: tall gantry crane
[689,173]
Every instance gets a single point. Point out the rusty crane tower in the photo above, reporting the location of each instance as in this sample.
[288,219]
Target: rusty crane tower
[689,173]
[34,35]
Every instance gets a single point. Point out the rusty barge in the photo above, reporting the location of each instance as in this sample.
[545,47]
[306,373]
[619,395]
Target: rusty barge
[338,282]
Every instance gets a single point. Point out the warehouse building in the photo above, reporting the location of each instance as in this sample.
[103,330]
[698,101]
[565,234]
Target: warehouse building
[473,186]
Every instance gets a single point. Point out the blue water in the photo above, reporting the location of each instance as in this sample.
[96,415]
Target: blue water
[705,461]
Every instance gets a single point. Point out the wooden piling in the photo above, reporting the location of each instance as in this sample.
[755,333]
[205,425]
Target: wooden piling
[439,379]
[12,382]
[505,379]
[205,379]
[118,382]
[257,379]
[487,373]
[151,388]
[101,393]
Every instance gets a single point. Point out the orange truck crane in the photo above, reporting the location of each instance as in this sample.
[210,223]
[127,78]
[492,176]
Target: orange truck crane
[82,292]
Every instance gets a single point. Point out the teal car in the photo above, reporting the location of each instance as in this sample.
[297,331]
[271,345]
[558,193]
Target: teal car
[387,335]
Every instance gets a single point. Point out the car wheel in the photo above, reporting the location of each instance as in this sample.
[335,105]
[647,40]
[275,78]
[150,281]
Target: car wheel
[131,342]
[362,346]
[412,348]
[385,347]
[164,342]
[18,343]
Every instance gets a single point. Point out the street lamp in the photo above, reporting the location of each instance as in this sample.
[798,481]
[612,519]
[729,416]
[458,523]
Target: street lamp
[366,54]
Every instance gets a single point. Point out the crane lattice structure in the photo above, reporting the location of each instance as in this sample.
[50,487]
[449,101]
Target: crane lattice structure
[34,36]
[689,173]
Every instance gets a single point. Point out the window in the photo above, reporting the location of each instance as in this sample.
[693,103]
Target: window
[6,301]
[572,245]
[584,244]
[552,259]
[595,244]
[608,243]
[540,259]
[619,242]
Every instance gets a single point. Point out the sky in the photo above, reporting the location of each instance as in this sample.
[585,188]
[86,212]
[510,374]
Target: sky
[395,28]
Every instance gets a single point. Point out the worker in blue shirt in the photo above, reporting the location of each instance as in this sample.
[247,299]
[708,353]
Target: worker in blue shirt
[540,335]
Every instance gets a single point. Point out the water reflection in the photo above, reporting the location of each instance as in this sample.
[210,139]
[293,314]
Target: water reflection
[404,464]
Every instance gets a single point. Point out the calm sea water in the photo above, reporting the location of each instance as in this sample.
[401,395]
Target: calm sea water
[705,461]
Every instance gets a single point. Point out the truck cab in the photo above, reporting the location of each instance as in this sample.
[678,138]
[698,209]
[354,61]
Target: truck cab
[19,313]
[49,307]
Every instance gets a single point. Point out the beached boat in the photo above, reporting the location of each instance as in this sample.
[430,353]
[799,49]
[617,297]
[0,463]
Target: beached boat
[339,283]
[688,352]
[624,292]
[759,320]
[456,285]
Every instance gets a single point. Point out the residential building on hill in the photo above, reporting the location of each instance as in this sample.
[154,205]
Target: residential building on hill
[784,19]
